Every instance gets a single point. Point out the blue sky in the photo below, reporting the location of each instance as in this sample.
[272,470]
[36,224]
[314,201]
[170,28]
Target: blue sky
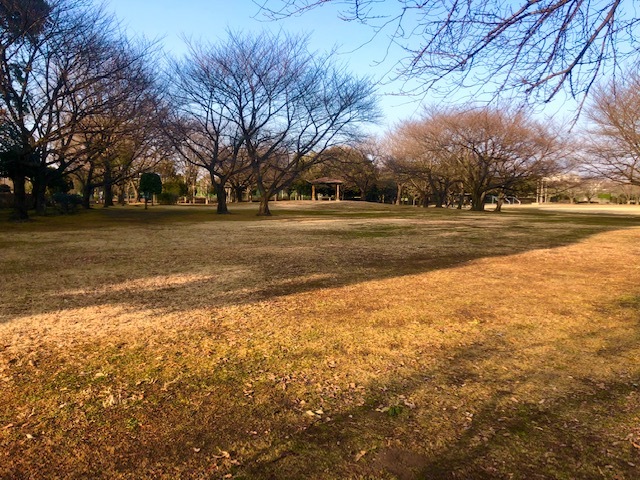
[209,20]
[169,21]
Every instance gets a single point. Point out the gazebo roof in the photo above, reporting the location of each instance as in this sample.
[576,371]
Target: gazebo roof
[326,181]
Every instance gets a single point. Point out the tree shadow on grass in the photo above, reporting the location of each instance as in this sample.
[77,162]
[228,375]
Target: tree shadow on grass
[495,406]
[480,427]
[275,259]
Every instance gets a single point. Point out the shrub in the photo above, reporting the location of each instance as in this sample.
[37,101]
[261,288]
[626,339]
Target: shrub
[66,203]
[168,198]
[176,186]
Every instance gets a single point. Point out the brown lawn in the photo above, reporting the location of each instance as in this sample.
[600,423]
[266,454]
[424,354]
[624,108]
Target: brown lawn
[332,341]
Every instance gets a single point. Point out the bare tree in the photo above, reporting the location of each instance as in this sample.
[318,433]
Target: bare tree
[426,159]
[206,129]
[395,167]
[58,66]
[241,183]
[284,105]
[530,46]
[497,150]
[614,152]
[486,150]
[356,165]
[125,138]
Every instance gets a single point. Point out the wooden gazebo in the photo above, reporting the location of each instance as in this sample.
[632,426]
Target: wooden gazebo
[325,181]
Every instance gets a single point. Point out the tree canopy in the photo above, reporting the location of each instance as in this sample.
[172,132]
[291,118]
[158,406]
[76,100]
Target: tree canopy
[614,147]
[535,47]
[484,150]
[268,99]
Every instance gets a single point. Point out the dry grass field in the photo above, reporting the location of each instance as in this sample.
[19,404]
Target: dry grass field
[331,341]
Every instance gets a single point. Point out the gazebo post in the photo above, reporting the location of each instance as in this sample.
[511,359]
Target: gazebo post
[325,181]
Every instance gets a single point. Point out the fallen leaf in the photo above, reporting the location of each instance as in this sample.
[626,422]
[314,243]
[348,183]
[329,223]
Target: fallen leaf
[223,454]
[360,454]
[409,404]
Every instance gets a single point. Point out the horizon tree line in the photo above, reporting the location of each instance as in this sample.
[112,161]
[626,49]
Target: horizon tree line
[79,100]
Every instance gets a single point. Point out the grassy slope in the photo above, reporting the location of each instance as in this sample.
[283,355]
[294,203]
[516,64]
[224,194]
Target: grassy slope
[342,341]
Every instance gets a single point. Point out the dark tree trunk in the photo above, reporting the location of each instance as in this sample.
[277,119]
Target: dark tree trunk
[20,207]
[39,194]
[87,191]
[108,187]
[121,195]
[238,191]
[221,195]
[87,188]
[108,194]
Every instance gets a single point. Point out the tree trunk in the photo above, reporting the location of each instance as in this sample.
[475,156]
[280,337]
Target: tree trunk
[500,202]
[121,195]
[39,194]
[264,198]
[264,207]
[87,191]
[477,201]
[221,194]
[87,188]
[108,194]
[399,197]
[107,187]
[238,193]
[136,194]
[20,208]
